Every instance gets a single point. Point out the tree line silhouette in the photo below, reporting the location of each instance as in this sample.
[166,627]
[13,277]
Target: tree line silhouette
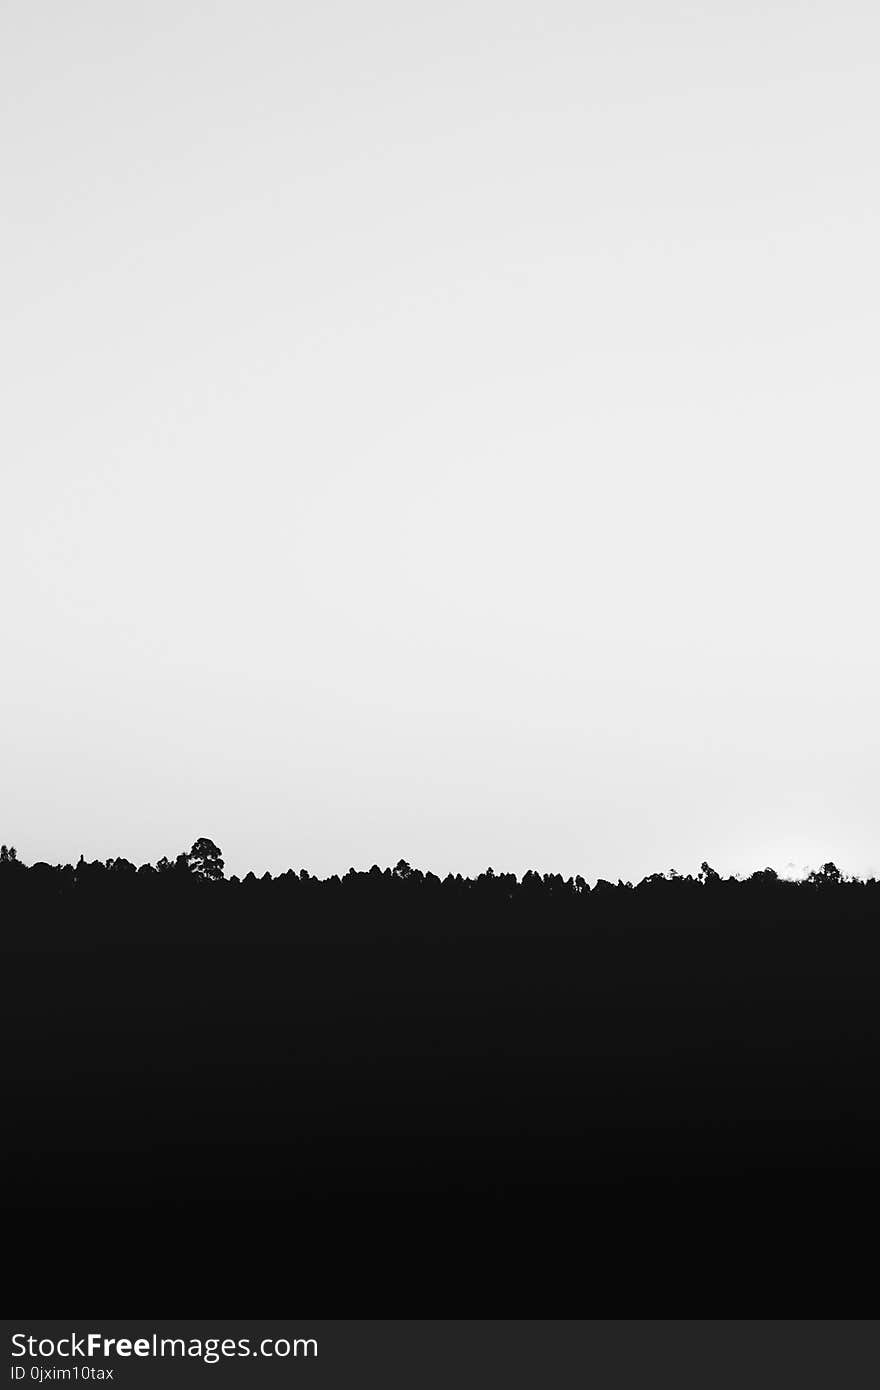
[203,865]
[440,1092]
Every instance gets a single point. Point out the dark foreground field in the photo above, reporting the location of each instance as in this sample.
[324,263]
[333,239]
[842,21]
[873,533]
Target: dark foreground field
[389,1096]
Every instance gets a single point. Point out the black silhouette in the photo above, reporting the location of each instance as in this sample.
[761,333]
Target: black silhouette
[441,1096]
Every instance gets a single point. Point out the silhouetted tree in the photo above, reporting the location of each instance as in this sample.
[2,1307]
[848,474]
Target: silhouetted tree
[827,877]
[205,860]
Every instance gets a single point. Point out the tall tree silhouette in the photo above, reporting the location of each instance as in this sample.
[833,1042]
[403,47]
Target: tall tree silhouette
[205,860]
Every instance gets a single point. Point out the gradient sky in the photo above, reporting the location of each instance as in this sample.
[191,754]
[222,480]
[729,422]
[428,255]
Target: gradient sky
[441,431]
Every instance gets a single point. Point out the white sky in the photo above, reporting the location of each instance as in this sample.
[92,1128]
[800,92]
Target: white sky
[441,431]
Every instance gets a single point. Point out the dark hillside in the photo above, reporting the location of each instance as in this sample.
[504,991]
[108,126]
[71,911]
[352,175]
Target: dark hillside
[442,1098]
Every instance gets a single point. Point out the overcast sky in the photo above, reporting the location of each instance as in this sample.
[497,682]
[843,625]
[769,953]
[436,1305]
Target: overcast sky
[446,431]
